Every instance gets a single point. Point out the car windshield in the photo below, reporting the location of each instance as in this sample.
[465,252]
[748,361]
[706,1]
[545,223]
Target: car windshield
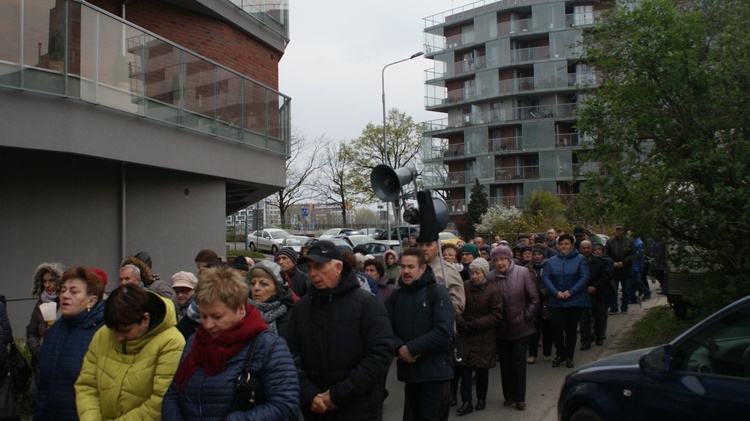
[295,241]
[279,234]
[447,236]
[359,239]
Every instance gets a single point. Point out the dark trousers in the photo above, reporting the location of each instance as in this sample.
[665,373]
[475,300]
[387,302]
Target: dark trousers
[483,378]
[564,326]
[625,297]
[513,367]
[543,329]
[594,321]
[421,398]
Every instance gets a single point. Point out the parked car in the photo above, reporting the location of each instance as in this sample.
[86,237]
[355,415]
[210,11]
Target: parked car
[269,239]
[335,231]
[354,239]
[377,248]
[702,374]
[372,232]
[405,233]
[448,238]
[296,242]
[340,243]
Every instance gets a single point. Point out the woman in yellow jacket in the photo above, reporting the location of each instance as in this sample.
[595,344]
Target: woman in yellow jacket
[130,363]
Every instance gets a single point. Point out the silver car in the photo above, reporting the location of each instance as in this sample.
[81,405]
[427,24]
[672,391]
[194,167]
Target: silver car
[268,239]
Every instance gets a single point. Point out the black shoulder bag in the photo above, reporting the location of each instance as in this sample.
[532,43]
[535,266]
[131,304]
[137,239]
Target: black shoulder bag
[19,370]
[249,389]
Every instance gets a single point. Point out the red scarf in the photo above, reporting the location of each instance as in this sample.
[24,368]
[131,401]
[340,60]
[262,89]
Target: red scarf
[212,353]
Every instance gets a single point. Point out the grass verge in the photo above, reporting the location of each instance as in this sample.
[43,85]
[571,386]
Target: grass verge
[658,326]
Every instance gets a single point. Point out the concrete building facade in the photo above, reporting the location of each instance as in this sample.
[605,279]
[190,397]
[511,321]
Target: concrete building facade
[133,126]
[507,74]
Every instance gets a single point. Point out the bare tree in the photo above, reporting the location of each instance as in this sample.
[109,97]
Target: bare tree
[303,162]
[333,183]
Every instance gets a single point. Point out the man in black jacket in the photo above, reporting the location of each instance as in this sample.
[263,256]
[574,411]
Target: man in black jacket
[619,250]
[598,289]
[287,258]
[422,317]
[342,341]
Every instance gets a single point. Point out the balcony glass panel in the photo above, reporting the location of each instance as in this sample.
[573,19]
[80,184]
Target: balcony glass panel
[74,49]
[563,44]
[548,16]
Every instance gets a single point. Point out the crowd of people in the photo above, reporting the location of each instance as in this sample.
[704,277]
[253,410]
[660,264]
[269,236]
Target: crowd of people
[312,335]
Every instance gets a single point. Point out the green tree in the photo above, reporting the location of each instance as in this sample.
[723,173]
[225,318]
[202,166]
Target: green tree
[543,210]
[402,146]
[332,184]
[477,207]
[670,125]
[507,221]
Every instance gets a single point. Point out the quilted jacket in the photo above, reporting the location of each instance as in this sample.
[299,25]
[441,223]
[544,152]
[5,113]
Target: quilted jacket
[127,380]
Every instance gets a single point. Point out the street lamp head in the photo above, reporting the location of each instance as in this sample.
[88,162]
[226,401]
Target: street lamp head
[415,55]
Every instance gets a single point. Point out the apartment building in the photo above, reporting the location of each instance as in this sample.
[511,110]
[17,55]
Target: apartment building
[507,74]
[130,126]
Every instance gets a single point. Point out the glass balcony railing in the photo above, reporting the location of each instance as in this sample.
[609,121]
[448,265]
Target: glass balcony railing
[273,14]
[503,116]
[516,201]
[456,205]
[72,49]
[528,172]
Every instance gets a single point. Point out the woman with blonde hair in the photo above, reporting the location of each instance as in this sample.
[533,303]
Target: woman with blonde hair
[231,332]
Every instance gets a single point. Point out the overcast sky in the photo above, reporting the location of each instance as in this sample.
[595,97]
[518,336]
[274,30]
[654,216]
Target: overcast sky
[332,66]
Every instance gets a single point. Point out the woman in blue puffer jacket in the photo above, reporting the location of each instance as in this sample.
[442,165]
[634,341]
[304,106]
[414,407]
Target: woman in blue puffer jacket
[205,382]
[566,279]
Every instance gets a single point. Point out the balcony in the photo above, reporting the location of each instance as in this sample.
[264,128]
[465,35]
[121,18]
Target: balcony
[502,116]
[456,206]
[582,20]
[505,144]
[529,172]
[106,61]
[521,55]
[271,14]
[508,201]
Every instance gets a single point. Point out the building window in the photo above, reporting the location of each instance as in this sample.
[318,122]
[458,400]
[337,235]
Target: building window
[583,15]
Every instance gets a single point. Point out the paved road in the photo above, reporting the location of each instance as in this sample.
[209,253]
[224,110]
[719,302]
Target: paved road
[543,381]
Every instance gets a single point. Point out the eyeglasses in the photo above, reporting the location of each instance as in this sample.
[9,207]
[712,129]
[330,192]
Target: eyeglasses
[179,291]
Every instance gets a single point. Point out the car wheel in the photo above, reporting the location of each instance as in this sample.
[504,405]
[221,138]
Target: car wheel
[274,249]
[252,247]
[586,414]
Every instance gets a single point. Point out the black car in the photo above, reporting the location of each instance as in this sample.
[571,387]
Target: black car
[703,374]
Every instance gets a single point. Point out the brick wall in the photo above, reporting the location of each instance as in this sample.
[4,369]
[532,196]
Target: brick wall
[207,36]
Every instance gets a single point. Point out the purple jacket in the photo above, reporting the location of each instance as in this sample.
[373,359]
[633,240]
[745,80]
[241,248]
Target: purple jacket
[520,301]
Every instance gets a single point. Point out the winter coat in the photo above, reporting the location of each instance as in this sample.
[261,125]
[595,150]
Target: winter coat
[342,342]
[55,269]
[393,272]
[520,302]
[35,332]
[424,324]
[385,288]
[60,360]
[484,311]
[618,250]
[210,398]
[299,282]
[568,272]
[4,342]
[128,379]
[182,309]
[600,276]
[4,321]
[538,268]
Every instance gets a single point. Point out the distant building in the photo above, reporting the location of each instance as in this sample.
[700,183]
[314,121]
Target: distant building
[132,126]
[506,75]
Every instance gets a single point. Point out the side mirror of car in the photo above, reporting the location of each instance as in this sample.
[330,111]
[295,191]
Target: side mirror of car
[656,360]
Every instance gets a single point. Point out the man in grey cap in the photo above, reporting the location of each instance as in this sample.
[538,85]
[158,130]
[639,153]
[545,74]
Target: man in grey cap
[342,341]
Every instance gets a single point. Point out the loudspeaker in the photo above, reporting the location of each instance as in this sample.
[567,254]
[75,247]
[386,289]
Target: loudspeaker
[433,216]
[387,183]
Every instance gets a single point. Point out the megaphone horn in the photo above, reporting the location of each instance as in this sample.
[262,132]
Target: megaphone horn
[386,182]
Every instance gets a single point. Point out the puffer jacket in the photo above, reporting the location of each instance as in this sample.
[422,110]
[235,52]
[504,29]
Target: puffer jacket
[568,272]
[342,342]
[385,288]
[60,360]
[520,302]
[425,328]
[393,272]
[484,309]
[127,380]
[210,398]
[539,268]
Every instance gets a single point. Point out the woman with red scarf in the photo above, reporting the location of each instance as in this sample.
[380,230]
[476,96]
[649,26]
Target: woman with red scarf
[205,383]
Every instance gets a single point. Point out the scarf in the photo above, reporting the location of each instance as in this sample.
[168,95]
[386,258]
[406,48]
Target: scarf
[270,312]
[48,298]
[212,353]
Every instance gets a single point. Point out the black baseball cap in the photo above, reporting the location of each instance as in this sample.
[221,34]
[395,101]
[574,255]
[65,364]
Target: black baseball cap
[322,252]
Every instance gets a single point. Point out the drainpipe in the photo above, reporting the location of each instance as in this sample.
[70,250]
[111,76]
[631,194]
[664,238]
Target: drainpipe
[122,8]
[123,210]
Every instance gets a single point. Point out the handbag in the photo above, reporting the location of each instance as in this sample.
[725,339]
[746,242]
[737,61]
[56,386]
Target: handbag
[19,369]
[249,388]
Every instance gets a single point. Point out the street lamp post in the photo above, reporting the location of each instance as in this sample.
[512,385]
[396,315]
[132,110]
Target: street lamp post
[385,135]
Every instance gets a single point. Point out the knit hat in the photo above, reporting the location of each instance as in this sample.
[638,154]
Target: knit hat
[501,251]
[486,248]
[288,252]
[578,230]
[240,263]
[145,257]
[526,248]
[480,264]
[539,239]
[270,269]
[184,280]
[538,250]
[101,275]
[471,249]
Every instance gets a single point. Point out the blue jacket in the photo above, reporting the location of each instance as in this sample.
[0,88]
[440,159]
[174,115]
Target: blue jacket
[424,327]
[60,361]
[210,398]
[568,272]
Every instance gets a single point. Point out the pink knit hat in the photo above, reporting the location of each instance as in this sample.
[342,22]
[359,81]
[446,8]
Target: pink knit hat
[501,251]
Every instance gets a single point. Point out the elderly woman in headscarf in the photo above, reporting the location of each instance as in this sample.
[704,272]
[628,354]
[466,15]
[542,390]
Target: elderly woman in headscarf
[46,290]
[271,295]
